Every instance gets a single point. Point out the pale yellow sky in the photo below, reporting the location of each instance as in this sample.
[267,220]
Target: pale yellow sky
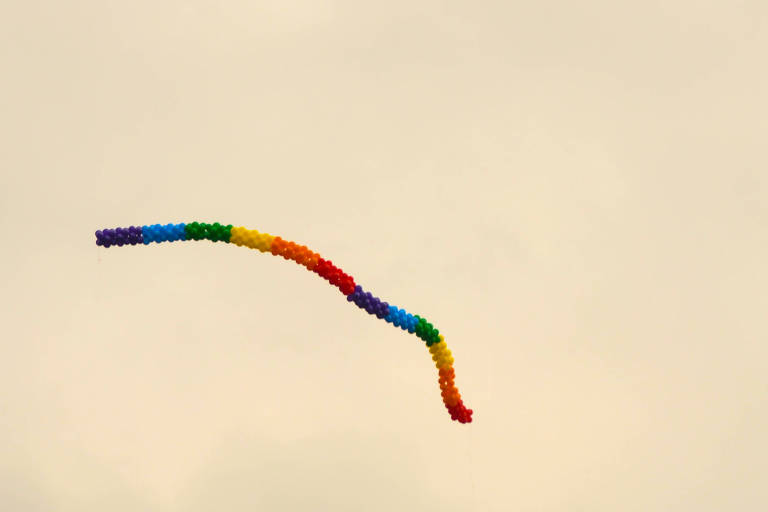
[574,193]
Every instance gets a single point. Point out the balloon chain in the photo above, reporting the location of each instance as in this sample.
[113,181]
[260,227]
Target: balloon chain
[265,242]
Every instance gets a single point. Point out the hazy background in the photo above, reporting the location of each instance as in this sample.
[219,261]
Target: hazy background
[574,193]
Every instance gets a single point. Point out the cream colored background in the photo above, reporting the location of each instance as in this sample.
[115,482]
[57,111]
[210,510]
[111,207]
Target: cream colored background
[573,192]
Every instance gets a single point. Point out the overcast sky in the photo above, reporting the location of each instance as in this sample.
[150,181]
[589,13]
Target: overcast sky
[574,193]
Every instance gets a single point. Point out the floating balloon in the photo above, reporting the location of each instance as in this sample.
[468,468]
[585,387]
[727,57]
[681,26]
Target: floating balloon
[264,242]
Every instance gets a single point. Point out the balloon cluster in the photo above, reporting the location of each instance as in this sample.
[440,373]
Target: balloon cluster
[275,245]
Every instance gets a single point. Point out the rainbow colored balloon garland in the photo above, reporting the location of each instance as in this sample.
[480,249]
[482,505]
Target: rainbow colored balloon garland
[312,261]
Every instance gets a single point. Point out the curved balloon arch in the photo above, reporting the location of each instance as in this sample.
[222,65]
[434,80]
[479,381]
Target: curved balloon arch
[265,242]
